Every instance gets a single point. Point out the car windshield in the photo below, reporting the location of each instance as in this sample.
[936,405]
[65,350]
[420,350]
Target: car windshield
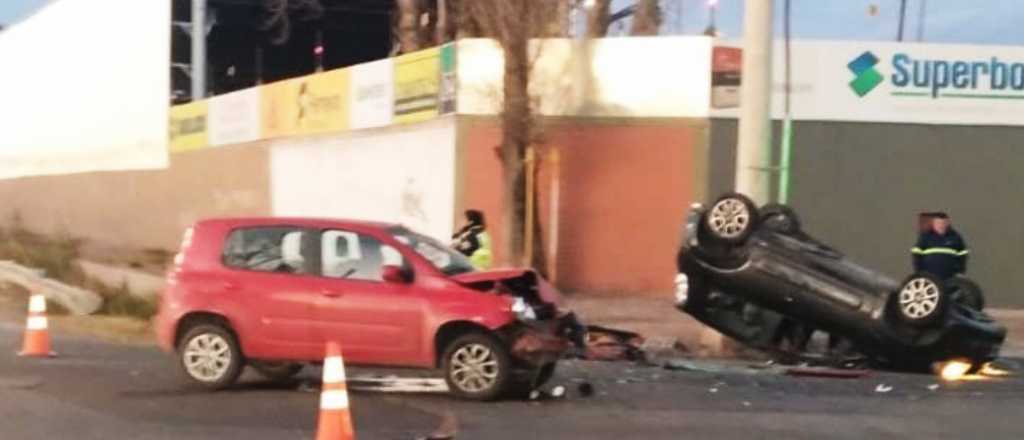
[444,258]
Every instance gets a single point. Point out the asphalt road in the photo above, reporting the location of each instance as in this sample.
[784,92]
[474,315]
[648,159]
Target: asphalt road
[97,390]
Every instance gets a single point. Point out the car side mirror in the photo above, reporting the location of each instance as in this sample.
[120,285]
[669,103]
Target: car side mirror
[395,274]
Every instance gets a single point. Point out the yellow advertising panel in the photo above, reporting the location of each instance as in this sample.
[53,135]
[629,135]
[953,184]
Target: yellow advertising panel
[310,104]
[417,83]
[188,127]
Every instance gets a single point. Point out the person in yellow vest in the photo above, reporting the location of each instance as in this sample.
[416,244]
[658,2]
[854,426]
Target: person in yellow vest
[473,240]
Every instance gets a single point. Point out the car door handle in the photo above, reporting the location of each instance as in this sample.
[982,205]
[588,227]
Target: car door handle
[330,293]
[229,285]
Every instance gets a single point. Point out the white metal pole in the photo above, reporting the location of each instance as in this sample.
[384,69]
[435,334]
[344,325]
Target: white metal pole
[198,49]
[753,151]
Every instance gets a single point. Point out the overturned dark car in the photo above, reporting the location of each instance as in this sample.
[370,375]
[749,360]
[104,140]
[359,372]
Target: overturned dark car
[757,277]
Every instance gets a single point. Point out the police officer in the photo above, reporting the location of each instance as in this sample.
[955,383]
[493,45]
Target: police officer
[940,250]
[473,240]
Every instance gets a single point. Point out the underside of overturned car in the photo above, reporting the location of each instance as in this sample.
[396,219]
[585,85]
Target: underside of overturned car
[753,274]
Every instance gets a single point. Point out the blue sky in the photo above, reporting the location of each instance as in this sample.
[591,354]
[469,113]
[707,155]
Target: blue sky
[947,21]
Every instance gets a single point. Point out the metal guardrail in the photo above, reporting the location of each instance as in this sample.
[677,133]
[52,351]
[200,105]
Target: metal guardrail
[78,301]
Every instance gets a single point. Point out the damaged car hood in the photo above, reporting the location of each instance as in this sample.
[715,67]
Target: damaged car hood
[488,279]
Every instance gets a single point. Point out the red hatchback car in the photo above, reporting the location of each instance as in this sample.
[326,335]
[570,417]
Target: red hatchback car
[271,292]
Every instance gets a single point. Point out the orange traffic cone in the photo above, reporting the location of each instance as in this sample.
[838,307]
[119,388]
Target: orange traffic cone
[37,333]
[335,421]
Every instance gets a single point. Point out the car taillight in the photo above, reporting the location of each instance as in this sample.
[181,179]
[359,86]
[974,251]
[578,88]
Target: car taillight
[186,241]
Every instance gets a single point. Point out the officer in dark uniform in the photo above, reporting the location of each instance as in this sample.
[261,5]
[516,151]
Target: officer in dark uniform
[940,250]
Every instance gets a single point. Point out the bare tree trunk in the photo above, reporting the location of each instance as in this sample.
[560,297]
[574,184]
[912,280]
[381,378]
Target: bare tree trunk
[557,24]
[443,23]
[408,25]
[513,23]
[646,18]
[515,137]
[597,19]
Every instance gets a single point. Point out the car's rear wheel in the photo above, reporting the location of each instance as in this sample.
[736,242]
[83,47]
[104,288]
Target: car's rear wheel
[477,367]
[731,218]
[921,300]
[276,371]
[209,355]
[966,292]
[779,217]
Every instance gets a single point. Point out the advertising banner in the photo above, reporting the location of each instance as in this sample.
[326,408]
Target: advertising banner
[188,127]
[372,98]
[311,104]
[900,83]
[449,83]
[234,118]
[417,83]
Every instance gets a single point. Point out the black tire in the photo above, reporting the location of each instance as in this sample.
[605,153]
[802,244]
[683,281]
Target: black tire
[922,300]
[212,332]
[779,217]
[460,381]
[276,371]
[731,219]
[966,292]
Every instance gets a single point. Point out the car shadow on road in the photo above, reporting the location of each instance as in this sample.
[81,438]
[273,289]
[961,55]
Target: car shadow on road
[183,389]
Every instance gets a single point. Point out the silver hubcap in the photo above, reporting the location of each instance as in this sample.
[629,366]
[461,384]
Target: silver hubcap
[207,357]
[474,368]
[919,298]
[729,218]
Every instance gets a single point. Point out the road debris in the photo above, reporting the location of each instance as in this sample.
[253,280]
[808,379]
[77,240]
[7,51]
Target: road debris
[607,344]
[307,386]
[999,368]
[447,430]
[826,372]
[394,384]
[585,389]
[883,388]
[684,365]
[557,392]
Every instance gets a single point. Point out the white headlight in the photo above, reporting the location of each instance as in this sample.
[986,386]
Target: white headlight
[682,289]
[523,310]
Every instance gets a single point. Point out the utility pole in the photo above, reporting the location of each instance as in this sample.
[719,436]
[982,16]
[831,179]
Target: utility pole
[903,18]
[198,49]
[753,151]
[711,30]
[922,13]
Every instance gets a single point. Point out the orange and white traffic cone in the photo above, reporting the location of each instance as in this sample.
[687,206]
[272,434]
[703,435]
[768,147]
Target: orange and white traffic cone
[37,332]
[335,421]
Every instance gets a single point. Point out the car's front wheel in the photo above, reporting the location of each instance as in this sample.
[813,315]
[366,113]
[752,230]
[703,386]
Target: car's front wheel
[921,300]
[209,355]
[964,291]
[477,367]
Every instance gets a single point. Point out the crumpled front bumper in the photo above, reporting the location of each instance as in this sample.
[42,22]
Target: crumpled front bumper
[542,342]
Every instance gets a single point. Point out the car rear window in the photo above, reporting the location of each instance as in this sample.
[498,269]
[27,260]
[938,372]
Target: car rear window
[267,249]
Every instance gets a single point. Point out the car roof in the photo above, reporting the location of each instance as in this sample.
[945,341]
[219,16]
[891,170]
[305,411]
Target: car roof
[309,222]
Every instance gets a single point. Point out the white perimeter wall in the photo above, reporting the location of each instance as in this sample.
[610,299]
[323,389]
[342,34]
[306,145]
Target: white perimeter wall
[404,174]
[85,86]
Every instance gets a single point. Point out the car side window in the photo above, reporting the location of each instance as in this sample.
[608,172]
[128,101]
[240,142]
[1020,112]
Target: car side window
[355,256]
[268,249]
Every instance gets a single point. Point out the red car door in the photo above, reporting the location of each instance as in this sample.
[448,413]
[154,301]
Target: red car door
[271,284]
[376,322]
